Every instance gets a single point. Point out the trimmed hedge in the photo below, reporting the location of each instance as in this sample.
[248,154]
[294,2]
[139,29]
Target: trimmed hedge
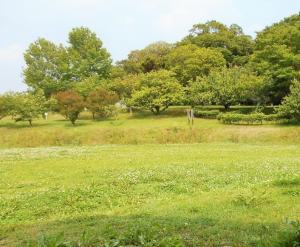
[254,118]
[210,114]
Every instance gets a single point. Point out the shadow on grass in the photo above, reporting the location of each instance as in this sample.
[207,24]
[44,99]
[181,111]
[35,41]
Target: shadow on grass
[289,123]
[164,114]
[25,125]
[134,230]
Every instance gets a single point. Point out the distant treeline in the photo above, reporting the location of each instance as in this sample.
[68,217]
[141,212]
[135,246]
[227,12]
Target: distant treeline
[213,64]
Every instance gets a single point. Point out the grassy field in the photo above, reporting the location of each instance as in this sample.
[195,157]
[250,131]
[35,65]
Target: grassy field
[141,128]
[216,185]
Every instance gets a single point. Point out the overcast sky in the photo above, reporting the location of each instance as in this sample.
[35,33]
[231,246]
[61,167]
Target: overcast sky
[122,25]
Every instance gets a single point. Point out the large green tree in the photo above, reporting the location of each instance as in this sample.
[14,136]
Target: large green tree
[87,56]
[157,91]
[277,55]
[230,41]
[151,58]
[55,68]
[189,61]
[47,67]
[226,87]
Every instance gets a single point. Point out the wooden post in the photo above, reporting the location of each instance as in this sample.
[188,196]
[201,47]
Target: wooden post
[190,116]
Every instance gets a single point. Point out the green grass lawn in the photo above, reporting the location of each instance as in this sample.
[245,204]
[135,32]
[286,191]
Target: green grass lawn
[145,180]
[141,128]
[210,194]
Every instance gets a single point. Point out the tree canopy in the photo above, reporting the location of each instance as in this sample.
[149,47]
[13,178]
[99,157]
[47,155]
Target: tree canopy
[157,91]
[230,41]
[151,58]
[277,55]
[189,61]
[226,87]
[54,68]
[290,107]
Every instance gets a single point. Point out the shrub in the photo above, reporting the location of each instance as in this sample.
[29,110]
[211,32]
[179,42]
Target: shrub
[272,117]
[28,106]
[70,104]
[254,118]
[290,107]
[102,102]
[212,114]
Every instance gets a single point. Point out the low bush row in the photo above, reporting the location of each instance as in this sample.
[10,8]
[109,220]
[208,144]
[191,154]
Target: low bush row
[210,114]
[254,118]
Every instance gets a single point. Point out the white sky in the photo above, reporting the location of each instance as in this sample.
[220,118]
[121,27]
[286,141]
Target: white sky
[123,25]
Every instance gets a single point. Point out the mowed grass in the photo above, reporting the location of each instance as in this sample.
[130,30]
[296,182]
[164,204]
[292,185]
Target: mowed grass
[209,194]
[140,128]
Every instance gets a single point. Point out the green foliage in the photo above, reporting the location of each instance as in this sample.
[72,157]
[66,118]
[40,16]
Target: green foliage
[87,56]
[290,107]
[292,239]
[28,106]
[47,67]
[157,91]
[125,86]
[227,86]
[7,104]
[86,86]
[210,114]
[253,118]
[189,61]
[277,56]
[230,41]
[53,68]
[102,102]
[151,58]
[70,104]
[59,240]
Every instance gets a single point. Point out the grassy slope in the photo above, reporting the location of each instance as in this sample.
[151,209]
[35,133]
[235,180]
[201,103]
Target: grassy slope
[139,129]
[209,194]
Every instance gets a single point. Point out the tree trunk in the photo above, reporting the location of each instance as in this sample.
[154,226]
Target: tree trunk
[93,113]
[157,110]
[30,122]
[227,107]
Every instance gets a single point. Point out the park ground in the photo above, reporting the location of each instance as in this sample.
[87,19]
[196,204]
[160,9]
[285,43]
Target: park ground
[204,185]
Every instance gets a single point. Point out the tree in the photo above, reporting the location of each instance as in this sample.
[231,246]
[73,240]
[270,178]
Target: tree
[54,68]
[151,58]
[70,104]
[7,104]
[124,86]
[157,91]
[189,61]
[290,107]
[277,56]
[28,106]
[199,92]
[102,102]
[230,41]
[227,86]
[87,56]
[3,110]
[47,67]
